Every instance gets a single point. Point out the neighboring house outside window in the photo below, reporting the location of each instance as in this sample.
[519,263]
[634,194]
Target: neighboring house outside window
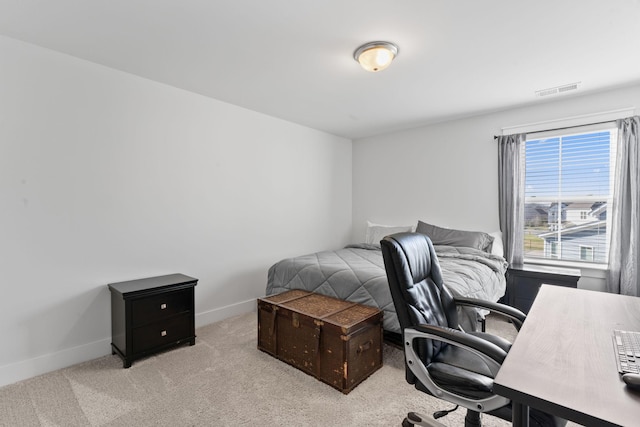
[586,253]
[569,178]
[592,235]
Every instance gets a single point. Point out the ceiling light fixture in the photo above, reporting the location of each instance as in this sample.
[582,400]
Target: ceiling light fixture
[375,56]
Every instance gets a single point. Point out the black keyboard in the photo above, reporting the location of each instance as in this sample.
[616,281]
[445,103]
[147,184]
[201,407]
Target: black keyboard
[627,347]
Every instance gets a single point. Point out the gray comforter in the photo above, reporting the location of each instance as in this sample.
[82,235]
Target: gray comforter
[356,273]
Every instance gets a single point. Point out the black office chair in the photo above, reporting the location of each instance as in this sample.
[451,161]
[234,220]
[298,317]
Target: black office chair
[440,358]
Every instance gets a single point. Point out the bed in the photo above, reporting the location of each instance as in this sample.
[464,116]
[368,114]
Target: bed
[356,273]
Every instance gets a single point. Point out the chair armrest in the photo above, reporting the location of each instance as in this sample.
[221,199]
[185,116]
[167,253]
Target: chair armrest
[512,313]
[483,348]
[491,353]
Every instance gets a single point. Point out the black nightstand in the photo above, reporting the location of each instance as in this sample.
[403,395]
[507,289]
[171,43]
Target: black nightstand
[149,315]
[524,281]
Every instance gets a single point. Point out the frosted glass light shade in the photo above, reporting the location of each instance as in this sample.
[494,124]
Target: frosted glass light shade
[375,56]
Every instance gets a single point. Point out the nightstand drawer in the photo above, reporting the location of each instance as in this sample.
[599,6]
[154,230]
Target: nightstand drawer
[524,281]
[161,333]
[527,288]
[159,307]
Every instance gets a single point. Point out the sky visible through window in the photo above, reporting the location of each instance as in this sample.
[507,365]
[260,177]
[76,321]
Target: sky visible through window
[572,166]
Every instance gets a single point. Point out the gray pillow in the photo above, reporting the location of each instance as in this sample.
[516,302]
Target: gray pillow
[451,237]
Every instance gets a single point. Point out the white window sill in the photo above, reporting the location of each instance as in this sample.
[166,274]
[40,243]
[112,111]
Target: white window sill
[589,269]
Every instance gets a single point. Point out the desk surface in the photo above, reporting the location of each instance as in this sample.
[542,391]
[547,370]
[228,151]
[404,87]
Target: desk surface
[563,362]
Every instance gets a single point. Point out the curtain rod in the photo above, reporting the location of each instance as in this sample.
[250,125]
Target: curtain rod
[562,128]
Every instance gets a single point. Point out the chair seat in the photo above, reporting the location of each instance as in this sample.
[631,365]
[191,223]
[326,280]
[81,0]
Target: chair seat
[478,386]
[460,381]
[463,372]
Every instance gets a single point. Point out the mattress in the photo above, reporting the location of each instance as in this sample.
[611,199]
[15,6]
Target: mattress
[356,273]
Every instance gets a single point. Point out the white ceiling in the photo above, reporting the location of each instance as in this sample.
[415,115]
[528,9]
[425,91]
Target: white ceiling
[293,58]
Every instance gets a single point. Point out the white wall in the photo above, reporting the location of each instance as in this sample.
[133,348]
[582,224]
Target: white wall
[447,174]
[106,177]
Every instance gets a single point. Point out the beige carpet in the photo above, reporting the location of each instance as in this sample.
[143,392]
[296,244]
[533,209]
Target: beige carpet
[221,381]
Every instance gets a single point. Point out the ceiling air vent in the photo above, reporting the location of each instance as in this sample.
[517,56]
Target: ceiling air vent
[558,89]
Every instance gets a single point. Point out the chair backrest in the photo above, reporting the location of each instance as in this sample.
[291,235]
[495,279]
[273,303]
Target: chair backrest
[417,288]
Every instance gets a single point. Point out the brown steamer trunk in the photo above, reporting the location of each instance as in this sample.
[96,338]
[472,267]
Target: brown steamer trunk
[336,341]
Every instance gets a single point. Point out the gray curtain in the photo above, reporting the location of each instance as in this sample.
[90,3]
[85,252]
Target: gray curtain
[622,276]
[511,195]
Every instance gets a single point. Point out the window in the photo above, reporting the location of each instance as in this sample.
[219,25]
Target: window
[586,253]
[568,192]
[553,249]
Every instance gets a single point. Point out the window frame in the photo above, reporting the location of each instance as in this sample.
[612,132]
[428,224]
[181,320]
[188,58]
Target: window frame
[563,132]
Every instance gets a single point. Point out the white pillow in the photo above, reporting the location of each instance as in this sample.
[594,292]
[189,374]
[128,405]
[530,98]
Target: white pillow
[375,232]
[498,246]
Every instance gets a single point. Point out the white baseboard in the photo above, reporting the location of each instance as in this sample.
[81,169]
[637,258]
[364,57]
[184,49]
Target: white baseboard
[29,368]
[222,313]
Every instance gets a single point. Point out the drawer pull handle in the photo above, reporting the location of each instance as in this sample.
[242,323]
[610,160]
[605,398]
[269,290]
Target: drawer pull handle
[163,306]
[163,333]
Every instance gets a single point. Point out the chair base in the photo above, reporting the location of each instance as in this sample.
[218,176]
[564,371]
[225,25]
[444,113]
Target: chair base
[472,419]
[415,419]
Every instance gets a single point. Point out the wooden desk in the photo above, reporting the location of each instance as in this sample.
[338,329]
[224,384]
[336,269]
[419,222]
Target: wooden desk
[563,362]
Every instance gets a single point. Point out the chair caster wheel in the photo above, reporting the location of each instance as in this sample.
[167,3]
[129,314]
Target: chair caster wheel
[415,419]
